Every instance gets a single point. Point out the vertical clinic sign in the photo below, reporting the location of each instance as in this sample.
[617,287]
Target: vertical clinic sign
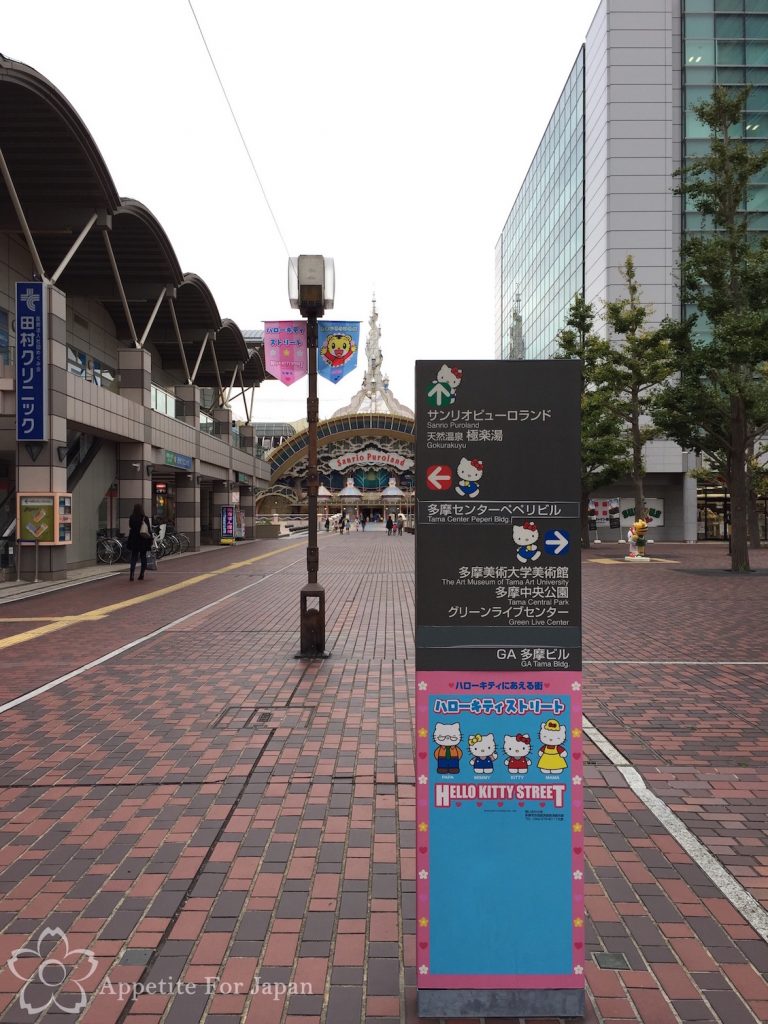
[500,920]
[31,362]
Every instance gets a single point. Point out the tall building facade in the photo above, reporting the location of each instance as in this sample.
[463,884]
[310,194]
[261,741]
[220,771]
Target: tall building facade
[601,187]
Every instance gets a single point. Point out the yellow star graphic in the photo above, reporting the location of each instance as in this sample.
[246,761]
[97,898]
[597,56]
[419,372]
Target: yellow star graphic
[423,921]
[577,827]
[423,826]
[423,733]
[578,922]
[576,732]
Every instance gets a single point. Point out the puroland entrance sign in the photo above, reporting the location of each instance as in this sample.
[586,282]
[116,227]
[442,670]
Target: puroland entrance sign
[499,765]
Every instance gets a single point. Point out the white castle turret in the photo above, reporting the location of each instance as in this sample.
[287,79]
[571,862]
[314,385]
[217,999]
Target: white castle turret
[374,395]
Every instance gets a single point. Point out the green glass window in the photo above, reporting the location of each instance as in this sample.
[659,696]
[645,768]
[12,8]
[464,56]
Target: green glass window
[758,198]
[729,5]
[730,51]
[698,5]
[730,76]
[699,26]
[757,26]
[729,26]
[757,52]
[699,51]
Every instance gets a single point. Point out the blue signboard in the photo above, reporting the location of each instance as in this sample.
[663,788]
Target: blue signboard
[337,342]
[227,524]
[31,362]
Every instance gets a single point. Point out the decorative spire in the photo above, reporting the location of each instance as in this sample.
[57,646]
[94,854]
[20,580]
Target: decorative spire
[374,395]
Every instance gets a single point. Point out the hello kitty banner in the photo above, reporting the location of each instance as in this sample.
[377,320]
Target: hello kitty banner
[337,343]
[285,349]
[499,797]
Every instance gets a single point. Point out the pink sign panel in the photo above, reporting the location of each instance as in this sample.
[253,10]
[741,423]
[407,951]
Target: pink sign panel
[285,349]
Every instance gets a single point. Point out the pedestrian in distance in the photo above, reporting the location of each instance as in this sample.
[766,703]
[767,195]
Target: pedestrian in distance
[400,524]
[348,525]
[390,524]
[327,525]
[139,539]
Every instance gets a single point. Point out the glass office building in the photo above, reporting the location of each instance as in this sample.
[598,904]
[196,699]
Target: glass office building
[601,187]
[540,255]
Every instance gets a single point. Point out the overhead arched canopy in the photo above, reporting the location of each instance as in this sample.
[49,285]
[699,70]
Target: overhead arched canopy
[94,244]
[59,174]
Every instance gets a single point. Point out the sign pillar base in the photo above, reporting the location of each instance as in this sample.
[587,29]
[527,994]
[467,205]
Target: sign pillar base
[504,1002]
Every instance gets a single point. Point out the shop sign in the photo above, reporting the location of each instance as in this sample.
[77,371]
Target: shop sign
[44,518]
[285,349]
[654,510]
[178,461]
[498,689]
[31,362]
[604,512]
[227,524]
[371,457]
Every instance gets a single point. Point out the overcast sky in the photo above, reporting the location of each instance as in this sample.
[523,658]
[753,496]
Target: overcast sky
[391,136]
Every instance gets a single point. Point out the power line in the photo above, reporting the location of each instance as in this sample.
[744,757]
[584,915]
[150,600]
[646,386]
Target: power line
[239,130]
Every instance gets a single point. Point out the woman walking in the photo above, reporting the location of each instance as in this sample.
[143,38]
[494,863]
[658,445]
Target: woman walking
[139,539]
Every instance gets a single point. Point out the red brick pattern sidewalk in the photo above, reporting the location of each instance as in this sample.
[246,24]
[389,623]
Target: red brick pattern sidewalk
[205,806]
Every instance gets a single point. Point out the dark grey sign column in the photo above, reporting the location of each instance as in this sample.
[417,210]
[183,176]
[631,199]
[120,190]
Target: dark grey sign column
[500,912]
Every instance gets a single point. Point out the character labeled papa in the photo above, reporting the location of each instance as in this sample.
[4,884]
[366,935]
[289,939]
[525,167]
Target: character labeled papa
[526,537]
[448,752]
[553,754]
[483,749]
[469,472]
[517,748]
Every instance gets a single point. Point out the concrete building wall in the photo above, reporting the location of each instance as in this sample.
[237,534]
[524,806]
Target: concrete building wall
[632,143]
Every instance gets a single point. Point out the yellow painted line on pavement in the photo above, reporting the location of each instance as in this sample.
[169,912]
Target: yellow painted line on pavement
[150,595]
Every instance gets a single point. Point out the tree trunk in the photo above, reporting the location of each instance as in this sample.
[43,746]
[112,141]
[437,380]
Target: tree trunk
[738,486]
[585,519]
[753,519]
[637,462]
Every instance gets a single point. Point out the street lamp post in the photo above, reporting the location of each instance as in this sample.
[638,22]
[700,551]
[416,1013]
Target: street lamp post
[311,285]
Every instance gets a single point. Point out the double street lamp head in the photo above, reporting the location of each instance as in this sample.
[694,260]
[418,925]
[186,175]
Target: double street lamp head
[311,284]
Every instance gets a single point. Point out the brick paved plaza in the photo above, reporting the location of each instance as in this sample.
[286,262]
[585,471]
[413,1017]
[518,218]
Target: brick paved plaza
[202,805]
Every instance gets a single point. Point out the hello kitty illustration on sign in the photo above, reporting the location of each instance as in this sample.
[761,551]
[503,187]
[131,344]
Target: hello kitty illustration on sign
[526,537]
[552,754]
[483,750]
[442,390]
[469,472]
[448,753]
[517,748]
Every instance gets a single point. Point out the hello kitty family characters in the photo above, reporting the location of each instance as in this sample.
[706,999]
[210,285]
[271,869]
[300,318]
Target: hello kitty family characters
[552,754]
[526,537]
[517,748]
[448,753]
[483,749]
[450,376]
[469,471]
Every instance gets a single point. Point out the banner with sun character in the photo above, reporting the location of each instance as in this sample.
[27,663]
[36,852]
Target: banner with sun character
[337,343]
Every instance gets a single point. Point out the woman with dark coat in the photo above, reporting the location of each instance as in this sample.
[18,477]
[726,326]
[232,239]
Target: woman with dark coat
[139,539]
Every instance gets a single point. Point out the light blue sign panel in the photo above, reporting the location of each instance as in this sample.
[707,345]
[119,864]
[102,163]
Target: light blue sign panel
[31,363]
[337,342]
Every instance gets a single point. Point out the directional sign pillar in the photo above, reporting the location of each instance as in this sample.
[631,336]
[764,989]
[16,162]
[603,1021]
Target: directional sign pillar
[500,925]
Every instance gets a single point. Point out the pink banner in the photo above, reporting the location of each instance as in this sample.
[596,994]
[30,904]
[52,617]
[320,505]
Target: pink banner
[285,349]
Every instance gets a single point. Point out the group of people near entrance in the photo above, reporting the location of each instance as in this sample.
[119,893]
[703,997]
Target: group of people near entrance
[342,523]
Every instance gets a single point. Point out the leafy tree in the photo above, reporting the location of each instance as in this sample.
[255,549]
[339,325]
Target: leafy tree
[634,369]
[604,446]
[717,404]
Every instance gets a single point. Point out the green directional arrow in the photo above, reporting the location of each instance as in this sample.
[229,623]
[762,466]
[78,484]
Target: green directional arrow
[438,394]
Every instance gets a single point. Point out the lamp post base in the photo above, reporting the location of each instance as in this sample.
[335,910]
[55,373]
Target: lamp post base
[312,623]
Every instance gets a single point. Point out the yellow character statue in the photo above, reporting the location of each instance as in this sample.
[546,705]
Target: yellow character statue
[636,538]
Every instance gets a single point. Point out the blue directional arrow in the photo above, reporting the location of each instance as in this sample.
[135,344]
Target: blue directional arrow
[557,542]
